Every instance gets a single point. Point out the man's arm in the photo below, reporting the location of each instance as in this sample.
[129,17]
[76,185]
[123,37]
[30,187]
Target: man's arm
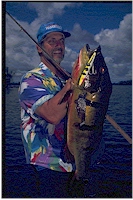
[54,109]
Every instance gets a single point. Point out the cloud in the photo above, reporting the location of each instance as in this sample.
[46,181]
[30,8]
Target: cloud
[81,37]
[78,39]
[69,59]
[21,53]
[46,11]
[117,48]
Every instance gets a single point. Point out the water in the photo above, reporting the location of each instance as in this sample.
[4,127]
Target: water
[116,164]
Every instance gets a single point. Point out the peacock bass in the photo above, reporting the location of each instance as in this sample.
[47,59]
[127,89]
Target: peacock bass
[87,107]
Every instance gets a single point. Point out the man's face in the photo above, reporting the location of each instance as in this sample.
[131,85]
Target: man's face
[54,45]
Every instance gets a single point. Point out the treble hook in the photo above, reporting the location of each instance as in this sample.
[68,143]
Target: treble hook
[92,70]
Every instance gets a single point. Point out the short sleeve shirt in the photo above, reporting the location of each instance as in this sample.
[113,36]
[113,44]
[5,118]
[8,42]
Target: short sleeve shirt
[44,143]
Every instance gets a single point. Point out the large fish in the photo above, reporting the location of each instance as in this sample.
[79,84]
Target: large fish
[87,107]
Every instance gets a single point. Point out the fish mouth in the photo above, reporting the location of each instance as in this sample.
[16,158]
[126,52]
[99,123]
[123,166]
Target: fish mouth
[87,47]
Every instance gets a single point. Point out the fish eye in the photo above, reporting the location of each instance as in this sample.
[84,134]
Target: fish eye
[101,70]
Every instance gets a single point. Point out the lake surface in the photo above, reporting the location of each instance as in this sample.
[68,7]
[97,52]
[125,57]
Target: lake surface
[115,169]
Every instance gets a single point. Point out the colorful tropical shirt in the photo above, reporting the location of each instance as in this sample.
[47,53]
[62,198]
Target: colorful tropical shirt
[44,143]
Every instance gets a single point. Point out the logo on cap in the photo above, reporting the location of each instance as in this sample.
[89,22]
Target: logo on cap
[53,26]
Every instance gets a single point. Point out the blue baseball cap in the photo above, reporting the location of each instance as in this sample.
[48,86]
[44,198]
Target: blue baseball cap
[48,28]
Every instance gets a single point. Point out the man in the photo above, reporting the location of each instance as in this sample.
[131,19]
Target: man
[44,117]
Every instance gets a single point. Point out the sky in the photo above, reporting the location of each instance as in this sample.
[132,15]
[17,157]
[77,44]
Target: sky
[108,24]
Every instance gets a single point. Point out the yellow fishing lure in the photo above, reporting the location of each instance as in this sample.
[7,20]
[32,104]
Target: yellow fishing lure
[87,69]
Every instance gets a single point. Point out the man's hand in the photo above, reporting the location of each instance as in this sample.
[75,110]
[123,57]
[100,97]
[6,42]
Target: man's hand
[68,90]
[55,109]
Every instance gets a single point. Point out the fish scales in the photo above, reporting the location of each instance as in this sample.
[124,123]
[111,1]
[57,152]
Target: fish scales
[87,107]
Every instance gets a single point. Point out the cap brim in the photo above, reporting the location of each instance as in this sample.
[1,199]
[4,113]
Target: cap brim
[66,34]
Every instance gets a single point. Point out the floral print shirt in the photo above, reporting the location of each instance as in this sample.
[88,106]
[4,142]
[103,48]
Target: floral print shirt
[44,143]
